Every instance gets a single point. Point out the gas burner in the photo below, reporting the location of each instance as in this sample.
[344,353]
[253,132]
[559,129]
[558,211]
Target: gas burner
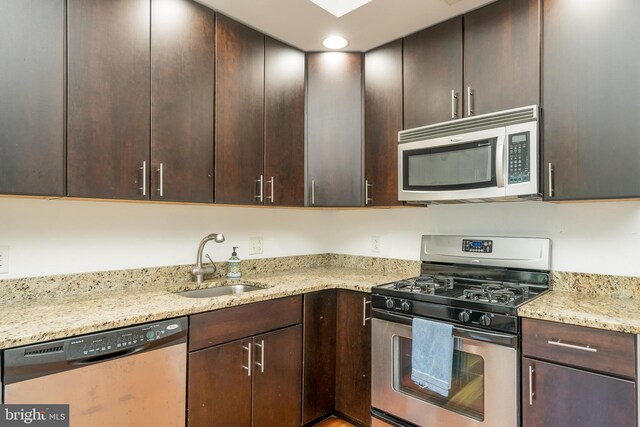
[495,293]
[424,284]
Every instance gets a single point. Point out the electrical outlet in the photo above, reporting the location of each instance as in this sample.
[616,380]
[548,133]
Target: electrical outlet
[255,245]
[375,244]
[4,259]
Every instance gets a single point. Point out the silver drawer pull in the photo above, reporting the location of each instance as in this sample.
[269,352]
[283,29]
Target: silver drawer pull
[573,346]
[248,367]
[365,302]
[531,393]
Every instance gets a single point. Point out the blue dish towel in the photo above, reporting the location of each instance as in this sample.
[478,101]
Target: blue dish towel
[432,355]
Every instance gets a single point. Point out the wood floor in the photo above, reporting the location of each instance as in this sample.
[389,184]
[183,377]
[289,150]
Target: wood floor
[334,422]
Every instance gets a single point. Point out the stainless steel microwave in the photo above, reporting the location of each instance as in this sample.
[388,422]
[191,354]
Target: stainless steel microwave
[491,157]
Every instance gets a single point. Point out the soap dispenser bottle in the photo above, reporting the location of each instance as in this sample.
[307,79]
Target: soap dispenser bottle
[233,265]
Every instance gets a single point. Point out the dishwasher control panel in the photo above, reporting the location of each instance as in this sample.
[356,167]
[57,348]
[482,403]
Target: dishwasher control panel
[123,339]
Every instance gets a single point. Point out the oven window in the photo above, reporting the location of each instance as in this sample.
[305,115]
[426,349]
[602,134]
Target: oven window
[466,396]
[457,167]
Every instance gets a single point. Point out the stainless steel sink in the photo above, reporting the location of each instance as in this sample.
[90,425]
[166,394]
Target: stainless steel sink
[219,291]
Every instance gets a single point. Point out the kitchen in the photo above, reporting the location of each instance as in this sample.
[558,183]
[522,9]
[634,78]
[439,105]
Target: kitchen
[52,236]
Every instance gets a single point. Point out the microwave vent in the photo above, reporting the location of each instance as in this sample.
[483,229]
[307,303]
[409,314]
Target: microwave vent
[470,124]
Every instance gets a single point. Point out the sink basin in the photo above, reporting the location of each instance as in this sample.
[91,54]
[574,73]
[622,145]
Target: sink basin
[219,291]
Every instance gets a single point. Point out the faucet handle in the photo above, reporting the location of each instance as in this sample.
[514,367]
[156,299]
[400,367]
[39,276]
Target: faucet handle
[209,258]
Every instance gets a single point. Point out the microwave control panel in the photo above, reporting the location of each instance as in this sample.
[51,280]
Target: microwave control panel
[519,158]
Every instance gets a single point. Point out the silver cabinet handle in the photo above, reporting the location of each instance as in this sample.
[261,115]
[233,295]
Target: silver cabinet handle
[531,393]
[573,346]
[271,197]
[248,367]
[365,302]
[367,199]
[313,192]
[550,180]
[500,163]
[143,168]
[161,180]
[260,195]
[454,104]
[469,101]
[261,364]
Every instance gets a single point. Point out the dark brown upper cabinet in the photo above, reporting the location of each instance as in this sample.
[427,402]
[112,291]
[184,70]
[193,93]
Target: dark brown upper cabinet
[334,129]
[32,40]
[485,61]
[182,78]
[502,56]
[382,121]
[284,76]
[433,74]
[108,124]
[239,112]
[590,92]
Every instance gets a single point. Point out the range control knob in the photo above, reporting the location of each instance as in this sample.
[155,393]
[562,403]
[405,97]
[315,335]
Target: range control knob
[405,306]
[389,303]
[464,316]
[485,320]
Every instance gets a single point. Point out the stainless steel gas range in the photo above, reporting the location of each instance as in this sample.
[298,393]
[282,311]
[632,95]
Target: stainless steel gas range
[476,285]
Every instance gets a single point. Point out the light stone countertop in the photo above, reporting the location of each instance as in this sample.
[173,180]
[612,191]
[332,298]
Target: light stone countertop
[586,309]
[44,319]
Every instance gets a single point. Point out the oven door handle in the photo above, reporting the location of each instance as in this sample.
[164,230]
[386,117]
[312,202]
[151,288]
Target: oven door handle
[471,334]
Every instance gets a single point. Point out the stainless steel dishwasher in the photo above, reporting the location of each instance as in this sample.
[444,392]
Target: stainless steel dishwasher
[134,376]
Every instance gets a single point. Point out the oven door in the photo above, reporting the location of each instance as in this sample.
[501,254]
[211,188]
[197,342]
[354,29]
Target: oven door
[461,167]
[484,387]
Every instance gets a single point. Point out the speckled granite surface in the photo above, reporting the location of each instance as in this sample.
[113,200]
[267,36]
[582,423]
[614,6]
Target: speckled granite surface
[44,309]
[595,300]
[586,309]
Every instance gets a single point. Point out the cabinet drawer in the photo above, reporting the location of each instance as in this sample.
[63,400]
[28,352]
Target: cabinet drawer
[220,326]
[590,348]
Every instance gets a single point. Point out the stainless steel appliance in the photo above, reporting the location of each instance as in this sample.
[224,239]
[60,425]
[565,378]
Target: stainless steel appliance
[476,284]
[127,377]
[492,157]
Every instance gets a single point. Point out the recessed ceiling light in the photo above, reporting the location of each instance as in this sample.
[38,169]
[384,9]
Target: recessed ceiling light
[335,42]
[339,8]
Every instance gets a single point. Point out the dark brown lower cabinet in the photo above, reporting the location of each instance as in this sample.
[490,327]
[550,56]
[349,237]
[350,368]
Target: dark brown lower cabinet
[559,396]
[337,356]
[353,356]
[319,382]
[219,387]
[277,378]
[251,381]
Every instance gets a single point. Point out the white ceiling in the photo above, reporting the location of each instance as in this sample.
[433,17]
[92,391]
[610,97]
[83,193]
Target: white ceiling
[303,24]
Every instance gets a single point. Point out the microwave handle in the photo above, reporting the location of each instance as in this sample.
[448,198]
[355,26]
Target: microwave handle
[500,163]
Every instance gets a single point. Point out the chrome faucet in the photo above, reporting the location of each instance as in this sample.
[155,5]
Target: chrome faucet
[199,271]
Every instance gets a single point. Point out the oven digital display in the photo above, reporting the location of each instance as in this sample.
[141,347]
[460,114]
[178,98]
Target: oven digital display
[484,246]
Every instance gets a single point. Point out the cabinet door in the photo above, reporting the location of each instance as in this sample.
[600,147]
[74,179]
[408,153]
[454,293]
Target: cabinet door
[382,120]
[353,356]
[181,101]
[590,99]
[565,397]
[239,112]
[220,385]
[319,352]
[283,124]
[502,56]
[32,39]
[432,71]
[334,129]
[108,99]
[277,378]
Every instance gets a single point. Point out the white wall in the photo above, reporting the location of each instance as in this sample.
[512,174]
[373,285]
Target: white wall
[586,237]
[49,237]
[64,236]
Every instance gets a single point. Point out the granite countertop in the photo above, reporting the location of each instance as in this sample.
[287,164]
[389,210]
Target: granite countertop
[44,319]
[586,309]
